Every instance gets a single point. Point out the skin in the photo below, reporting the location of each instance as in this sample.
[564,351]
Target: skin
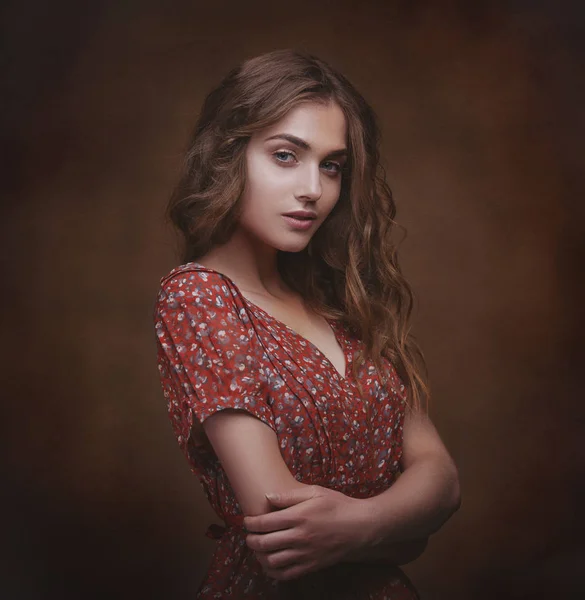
[315,527]
[282,177]
[309,527]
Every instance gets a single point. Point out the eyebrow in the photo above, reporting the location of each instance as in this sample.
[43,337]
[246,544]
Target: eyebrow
[297,141]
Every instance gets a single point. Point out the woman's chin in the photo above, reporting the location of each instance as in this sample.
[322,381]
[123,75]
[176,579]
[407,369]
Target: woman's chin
[296,246]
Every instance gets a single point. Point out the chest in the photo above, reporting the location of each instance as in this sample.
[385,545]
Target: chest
[308,325]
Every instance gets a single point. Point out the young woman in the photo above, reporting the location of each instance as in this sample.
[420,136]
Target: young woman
[284,349]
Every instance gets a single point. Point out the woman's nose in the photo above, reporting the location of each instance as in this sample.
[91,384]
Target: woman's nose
[309,184]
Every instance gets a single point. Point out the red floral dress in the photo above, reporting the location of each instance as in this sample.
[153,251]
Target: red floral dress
[217,350]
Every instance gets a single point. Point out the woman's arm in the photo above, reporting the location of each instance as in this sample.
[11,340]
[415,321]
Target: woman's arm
[399,520]
[249,453]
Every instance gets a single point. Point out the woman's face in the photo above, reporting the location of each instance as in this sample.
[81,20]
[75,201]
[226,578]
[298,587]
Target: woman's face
[294,165]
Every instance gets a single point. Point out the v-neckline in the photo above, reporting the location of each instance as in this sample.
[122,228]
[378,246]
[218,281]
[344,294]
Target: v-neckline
[332,325]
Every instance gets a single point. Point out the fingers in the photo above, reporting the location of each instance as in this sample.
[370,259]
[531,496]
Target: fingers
[284,565]
[291,572]
[284,518]
[272,542]
[277,561]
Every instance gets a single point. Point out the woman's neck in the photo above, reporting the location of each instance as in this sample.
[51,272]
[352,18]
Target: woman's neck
[252,266]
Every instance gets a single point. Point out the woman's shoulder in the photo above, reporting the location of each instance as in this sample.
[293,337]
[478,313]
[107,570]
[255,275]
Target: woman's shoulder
[192,297]
[198,285]
[190,272]
[196,278]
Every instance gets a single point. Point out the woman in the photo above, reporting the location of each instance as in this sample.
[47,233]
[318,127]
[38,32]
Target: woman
[283,344]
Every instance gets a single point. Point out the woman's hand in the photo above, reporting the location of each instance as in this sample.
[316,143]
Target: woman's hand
[316,527]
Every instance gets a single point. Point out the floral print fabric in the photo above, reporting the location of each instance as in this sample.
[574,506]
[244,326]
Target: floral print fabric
[218,350]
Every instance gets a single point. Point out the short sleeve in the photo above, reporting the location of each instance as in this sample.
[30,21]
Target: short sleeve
[209,356]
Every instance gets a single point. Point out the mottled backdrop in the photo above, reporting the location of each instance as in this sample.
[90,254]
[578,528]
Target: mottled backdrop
[481,105]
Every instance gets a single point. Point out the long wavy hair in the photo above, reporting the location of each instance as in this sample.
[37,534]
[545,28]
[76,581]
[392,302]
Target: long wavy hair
[349,270]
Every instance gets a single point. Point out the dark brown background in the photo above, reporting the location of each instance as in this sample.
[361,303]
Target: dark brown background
[481,106]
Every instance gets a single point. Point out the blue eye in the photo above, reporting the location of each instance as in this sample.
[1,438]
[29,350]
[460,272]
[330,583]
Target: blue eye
[332,167]
[282,155]
[286,157]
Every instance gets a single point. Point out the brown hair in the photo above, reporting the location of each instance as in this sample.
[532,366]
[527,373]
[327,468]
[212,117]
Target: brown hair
[349,270]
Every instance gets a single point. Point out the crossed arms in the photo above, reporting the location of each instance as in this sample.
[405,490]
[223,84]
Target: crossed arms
[392,527]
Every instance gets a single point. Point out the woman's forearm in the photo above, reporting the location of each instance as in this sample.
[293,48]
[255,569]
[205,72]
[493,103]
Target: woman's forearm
[399,520]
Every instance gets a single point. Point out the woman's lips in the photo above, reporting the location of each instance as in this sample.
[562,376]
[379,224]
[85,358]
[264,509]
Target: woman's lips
[299,224]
